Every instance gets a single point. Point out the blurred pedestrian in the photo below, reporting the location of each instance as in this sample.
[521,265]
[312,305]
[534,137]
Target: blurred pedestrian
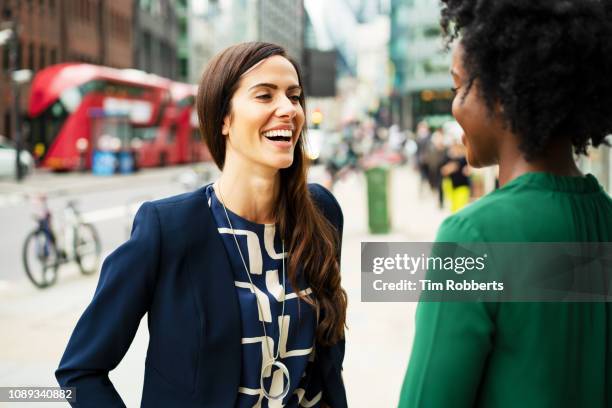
[240,279]
[457,171]
[423,141]
[435,158]
[533,87]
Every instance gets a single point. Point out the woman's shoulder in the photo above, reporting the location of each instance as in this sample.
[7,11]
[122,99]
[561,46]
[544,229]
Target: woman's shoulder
[326,202]
[179,210]
[527,213]
[496,214]
[181,199]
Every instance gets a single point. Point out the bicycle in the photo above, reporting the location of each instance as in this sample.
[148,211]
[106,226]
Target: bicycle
[43,253]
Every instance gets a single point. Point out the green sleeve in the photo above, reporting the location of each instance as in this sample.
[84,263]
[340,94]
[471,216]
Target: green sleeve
[451,344]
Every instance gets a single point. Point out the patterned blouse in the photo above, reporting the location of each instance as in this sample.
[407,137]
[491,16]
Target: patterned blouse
[261,247]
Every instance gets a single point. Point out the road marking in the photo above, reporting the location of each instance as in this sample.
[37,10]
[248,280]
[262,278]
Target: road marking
[7,200]
[5,285]
[111,213]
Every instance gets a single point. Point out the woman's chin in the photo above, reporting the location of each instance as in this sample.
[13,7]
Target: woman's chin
[478,162]
[281,163]
[472,159]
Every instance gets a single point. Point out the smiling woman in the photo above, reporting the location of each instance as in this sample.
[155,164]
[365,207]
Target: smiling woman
[241,278]
[251,109]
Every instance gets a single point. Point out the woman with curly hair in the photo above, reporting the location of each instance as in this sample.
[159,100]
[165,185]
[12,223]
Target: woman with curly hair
[533,87]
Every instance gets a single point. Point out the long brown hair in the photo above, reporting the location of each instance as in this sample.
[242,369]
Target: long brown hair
[314,244]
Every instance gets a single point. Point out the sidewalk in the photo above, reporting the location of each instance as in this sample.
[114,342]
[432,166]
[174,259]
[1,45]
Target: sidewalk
[379,336]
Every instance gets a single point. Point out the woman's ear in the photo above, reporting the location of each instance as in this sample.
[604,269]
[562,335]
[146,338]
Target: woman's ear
[226,125]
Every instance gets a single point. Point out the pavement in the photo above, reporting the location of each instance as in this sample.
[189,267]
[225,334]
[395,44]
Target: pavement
[379,335]
[37,324]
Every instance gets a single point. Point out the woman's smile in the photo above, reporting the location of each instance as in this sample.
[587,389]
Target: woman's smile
[280,137]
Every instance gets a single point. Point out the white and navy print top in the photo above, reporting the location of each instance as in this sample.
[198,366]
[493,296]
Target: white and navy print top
[261,248]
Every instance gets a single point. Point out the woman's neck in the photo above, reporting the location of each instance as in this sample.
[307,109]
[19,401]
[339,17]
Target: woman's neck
[249,193]
[558,159]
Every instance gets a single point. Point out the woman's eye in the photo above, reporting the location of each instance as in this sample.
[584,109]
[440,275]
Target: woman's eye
[454,90]
[263,96]
[295,98]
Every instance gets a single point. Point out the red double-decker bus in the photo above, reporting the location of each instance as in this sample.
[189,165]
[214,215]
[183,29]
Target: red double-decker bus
[177,139]
[77,109]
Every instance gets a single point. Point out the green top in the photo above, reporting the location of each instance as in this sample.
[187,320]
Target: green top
[499,355]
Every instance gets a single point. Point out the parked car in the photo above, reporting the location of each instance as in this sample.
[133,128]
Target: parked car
[7,159]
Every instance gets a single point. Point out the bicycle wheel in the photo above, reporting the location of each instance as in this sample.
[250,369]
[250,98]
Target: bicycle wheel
[87,248]
[40,258]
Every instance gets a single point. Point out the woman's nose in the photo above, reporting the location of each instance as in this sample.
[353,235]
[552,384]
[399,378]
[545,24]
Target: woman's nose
[286,107]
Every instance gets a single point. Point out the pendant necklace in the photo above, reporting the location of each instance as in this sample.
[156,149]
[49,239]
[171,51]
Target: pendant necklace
[273,359]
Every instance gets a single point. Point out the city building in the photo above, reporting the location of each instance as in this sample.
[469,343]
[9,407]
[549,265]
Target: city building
[214,25]
[282,22]
[420,64]
[156,36]
[357,32]
[54,31]
[183,11]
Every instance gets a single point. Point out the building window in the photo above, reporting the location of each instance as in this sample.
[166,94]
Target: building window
[31,57]
[113,23]
[52,6]
[5,59]
[146,47]
[7,123]
[53,56]
[145,5]
[183,67]
[432,31]
[42,57]
[20,58]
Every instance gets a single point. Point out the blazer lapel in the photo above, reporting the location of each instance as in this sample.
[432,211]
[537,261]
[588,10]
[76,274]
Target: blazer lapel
[217,302]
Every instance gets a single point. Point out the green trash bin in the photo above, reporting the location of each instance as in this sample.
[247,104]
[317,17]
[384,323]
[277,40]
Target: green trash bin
[378,200]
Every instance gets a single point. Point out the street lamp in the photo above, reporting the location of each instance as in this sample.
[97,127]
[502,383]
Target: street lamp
[19,77]
[9,30]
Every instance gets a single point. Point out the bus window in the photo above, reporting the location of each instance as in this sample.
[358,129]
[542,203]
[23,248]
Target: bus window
[45,128]
[146,134]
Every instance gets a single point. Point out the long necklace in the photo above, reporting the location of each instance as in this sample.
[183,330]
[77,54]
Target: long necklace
[273,359]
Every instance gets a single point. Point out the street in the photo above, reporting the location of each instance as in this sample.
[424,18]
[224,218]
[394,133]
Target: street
[37,323]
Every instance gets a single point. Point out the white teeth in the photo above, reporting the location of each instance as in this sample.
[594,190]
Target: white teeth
[284,133]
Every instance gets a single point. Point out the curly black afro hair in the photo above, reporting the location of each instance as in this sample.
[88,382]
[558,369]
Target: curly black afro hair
[547,62]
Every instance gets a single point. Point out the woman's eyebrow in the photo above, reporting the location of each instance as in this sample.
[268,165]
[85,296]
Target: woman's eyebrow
[273,86]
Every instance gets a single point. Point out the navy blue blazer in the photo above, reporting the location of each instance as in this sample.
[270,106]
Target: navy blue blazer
[175,268]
